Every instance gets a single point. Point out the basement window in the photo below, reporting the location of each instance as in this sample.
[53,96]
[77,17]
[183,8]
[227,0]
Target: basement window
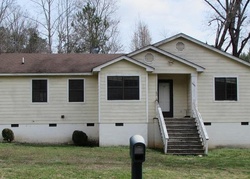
[90,124]
[14,125]
[244,123]
[119,124]
[207,123]
[52,125]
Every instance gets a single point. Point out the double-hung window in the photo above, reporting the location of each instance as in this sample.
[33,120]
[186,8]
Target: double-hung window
[226,89]
[76,90]
[123,88]
[39,91]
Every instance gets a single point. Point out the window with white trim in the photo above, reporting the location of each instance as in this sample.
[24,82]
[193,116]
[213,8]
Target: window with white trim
[123,88]
[226,89]
[76,90]
[39,90]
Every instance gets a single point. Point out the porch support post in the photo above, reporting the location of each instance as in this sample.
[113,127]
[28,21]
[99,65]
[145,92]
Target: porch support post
[193,89]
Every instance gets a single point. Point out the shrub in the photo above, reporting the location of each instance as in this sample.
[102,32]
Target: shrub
[93,143]
[80,138]
[8,135]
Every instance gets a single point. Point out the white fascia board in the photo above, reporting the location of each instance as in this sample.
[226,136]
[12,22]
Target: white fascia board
[46,74]
[140,50]
[148,68]
[157,44]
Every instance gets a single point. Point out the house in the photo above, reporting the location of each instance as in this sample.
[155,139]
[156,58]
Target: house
[45,97]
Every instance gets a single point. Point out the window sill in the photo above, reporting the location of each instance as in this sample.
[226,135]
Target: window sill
[123,101]
[43,103]
[226,101]
[76,102]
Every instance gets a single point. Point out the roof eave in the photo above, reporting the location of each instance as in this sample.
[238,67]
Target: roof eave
[46,74]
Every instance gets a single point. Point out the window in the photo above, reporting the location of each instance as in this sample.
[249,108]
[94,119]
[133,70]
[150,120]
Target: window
[123,88]
[76,90]
[226,89]
[39,91]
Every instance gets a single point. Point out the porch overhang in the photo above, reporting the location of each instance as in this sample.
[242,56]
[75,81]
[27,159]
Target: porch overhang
[170,55]
[138,63]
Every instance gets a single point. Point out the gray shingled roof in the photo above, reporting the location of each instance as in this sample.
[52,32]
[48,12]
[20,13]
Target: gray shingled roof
[52,63]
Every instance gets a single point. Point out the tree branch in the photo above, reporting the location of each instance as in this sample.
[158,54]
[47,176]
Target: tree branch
[215,9]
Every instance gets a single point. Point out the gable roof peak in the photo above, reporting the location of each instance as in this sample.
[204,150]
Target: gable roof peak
[179,35]
[205,45]
[127,58]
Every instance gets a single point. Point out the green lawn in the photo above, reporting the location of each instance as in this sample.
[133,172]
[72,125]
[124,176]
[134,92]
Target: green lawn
[32,161]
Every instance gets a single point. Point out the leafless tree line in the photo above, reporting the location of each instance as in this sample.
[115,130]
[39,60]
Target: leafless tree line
[91,26]
[62,26]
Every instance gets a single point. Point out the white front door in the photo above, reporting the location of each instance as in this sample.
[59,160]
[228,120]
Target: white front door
[166,98]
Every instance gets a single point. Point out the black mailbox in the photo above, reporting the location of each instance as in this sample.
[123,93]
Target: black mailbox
[137,148]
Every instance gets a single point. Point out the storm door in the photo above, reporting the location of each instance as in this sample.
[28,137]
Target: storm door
[165,96]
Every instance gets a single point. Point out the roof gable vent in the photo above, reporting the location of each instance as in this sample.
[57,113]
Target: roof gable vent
[149,58]
[180,46]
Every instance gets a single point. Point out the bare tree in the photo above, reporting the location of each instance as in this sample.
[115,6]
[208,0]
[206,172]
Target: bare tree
[66,9]
[114,45]
[50,19]
[19,34]
[141,36]
[16,25]
[4,6]
[232,24]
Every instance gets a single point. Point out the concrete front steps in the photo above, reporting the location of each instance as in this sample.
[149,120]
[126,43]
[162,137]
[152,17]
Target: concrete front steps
[184,138]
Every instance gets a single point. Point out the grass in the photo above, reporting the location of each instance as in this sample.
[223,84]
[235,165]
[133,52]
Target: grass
[36,161]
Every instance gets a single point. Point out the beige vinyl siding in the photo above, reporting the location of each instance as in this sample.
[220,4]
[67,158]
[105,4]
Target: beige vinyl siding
[224,111]
[162,65]
[216,65]
[17,107]
[124,111]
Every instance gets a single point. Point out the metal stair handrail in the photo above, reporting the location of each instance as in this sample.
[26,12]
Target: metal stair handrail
[163,128]
[201,127]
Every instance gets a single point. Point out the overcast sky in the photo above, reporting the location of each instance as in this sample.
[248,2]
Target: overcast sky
[164,18]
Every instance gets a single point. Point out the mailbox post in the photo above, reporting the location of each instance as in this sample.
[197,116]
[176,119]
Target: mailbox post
[137,154]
